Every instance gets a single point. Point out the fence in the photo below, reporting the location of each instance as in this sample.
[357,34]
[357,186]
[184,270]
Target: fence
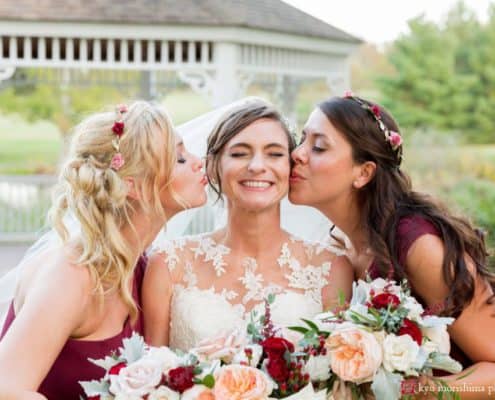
[25,200]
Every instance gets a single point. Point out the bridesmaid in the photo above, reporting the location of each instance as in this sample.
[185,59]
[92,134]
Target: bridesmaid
[127,173]
[348,167]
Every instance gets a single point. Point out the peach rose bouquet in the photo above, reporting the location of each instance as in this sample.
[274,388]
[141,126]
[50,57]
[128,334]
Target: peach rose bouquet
[377,343]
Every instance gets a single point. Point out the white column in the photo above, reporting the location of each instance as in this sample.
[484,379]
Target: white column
[226,82]
[339,79]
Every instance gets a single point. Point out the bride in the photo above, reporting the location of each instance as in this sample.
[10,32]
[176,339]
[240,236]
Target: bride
[197,287]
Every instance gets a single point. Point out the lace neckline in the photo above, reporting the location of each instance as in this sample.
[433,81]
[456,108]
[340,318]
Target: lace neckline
[309,279]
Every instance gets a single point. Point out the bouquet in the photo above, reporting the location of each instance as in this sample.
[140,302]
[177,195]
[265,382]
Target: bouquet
[380,341]
[271,351]
[137,371]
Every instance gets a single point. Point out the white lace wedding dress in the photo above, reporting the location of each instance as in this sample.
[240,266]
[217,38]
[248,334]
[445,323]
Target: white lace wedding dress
[213,292]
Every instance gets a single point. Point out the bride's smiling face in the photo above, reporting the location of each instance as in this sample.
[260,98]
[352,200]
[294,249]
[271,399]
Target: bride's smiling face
[255,166]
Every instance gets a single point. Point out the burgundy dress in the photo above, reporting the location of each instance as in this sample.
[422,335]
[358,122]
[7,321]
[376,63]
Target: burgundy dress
[72,365]
[409,229]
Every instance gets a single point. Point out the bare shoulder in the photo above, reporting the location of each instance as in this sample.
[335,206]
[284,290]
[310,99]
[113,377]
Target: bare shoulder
[59,277]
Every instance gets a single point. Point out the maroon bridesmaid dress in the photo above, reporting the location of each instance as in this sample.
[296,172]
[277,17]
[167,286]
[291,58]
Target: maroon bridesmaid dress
[409,229]
[72,365]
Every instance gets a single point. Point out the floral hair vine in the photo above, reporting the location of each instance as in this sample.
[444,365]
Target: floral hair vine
[118,129]
[392,137]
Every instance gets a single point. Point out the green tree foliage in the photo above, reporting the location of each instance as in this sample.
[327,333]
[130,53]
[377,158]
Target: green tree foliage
[444,76]
[62,103]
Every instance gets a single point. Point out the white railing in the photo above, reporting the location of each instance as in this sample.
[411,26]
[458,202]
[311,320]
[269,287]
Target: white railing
[25,200]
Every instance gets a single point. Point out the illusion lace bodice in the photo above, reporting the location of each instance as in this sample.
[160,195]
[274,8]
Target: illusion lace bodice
[213,291]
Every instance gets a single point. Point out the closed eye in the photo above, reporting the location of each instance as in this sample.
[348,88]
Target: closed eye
[318,149]
[238,154]
[277,154]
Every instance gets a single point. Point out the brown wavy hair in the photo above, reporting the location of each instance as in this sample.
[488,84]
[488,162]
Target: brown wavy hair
[389,197]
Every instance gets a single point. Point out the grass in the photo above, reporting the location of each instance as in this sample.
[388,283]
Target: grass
[28,148]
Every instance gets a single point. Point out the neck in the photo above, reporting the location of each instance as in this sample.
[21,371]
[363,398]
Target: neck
[252,233]
[146,228]
[346,215]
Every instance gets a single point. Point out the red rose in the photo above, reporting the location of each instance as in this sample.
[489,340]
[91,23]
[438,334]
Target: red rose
[116,368]
[275,347]
[376,110]
[278,369]
[180,379]
[118,128]
[383,300]
[94,398]
[412,329]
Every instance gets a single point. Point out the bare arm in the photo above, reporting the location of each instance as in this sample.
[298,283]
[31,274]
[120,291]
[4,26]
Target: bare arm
[157,296]
[54,306]
[339,283]
[473,331]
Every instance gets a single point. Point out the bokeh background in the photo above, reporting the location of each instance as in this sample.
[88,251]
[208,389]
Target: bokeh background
[437,77]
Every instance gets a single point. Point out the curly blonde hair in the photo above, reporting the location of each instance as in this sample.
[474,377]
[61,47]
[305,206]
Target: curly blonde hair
[97,194]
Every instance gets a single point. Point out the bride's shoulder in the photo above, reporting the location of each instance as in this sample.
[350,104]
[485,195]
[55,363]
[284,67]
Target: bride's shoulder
[319,250]
[182,249]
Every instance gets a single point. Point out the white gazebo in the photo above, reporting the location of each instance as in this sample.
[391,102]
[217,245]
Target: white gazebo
[218,47]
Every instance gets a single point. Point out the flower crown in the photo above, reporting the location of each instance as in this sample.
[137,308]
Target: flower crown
[118,129]
[392,137]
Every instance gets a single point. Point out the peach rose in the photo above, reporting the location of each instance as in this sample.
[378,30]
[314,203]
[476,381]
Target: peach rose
[198,392]
[240,382]
[356,354]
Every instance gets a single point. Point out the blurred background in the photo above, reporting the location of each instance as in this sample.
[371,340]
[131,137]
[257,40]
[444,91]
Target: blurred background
[432,64]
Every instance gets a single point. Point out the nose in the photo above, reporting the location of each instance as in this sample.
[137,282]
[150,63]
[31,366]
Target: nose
[299,155]
[197,163]
[256,164]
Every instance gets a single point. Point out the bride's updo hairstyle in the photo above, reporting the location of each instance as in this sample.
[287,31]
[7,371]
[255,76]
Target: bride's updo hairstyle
[135,142]
[233,122]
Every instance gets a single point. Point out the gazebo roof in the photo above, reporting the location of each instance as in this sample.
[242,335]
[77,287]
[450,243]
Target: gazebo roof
[273,15]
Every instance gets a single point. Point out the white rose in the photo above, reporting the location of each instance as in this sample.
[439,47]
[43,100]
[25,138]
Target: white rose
[136,380]
[165,357]
[292,336]
[318,367]
[224,346]
[197,392]
[242,358]
[399,353]
[164,393]
[415,309]
[439,339]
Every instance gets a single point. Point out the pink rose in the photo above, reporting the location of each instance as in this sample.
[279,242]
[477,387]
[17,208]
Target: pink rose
[117,162]
[375,109]
[355,354]
[121,108]
[395,139]
[241,383]
[222,347]
[348,93]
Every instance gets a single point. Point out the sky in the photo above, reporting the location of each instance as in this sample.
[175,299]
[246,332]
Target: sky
[381,21]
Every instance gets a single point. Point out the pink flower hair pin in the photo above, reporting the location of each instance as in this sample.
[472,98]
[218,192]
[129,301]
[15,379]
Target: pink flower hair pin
[118,129]
[392,137]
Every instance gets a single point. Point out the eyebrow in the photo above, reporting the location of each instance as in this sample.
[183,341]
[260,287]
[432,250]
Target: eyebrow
[245,145]
[317,134]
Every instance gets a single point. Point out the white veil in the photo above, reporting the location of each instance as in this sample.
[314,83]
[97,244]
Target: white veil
[302,221]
